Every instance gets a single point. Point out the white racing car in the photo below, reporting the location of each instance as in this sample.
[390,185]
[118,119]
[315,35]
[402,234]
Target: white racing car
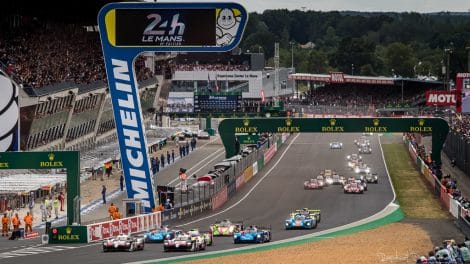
[123,243]
[336,145]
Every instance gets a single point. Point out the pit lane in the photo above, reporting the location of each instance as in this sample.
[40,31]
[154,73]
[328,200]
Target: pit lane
[272,199]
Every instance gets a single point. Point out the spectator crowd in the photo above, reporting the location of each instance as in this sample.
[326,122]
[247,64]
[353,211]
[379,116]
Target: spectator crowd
[40,53]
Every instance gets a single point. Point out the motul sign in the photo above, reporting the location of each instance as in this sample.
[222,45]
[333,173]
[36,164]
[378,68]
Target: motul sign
[440,98]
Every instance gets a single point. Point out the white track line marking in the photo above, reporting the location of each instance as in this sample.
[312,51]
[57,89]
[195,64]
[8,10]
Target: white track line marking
[249,192]
[197,164]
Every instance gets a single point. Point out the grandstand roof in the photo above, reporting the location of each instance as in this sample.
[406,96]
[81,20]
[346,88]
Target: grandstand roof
[341,78]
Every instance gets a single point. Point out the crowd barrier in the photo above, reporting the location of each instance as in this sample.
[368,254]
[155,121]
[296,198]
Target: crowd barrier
[129,225]
[445,196]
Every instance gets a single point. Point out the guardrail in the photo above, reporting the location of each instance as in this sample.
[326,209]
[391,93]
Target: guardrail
[129,225]
[212,197]
[454,207]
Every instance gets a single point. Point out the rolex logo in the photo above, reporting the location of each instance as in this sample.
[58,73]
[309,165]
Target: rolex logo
[246,122]
[288,122]
[376,122]
[68,230]
[421,122]
[51,156]
[332,122]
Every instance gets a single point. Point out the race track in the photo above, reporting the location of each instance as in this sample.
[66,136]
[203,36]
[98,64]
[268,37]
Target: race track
[266,200]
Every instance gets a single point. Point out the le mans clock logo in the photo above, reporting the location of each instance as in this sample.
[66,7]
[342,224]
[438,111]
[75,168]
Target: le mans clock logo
[375,127]
[51,162]
[332,127]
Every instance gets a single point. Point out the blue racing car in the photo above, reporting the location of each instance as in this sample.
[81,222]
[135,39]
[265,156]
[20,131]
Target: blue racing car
[301,221]
[159,235]
[252,234]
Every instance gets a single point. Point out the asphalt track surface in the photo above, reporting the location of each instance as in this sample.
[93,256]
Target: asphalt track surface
[266,200]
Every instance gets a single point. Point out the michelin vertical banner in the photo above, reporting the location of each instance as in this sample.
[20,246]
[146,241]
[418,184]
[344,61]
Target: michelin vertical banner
[128,29]
[9,115]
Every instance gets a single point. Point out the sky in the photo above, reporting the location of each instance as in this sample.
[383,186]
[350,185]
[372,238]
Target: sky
[421,6]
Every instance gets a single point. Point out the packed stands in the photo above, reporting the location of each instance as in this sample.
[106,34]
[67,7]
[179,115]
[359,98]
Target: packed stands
[41,53]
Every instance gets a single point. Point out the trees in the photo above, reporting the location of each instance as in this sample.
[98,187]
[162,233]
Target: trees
[375,43]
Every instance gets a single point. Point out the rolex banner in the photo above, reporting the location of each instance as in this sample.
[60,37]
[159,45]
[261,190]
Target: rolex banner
[68,234]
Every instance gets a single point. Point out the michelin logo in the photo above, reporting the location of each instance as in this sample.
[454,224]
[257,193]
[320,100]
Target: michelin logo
[129,128]
[9,115]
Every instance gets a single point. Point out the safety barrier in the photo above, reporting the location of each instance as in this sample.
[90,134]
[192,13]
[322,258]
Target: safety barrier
[445,195]
[129,225]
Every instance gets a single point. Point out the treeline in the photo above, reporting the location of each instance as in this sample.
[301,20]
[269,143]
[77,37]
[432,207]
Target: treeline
[382,44]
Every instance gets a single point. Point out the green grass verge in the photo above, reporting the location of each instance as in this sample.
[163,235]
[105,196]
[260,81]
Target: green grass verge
[413,194]
[395,216]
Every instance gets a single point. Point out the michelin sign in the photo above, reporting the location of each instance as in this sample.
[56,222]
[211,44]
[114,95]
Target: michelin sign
[127,29]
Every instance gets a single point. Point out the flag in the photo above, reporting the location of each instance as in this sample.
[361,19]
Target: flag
[263,99]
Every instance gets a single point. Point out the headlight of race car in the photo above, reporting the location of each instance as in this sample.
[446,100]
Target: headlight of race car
[258,236]
[356,170]
[234,236]
[329,181]
[308,223]
[368,170]
[348,157]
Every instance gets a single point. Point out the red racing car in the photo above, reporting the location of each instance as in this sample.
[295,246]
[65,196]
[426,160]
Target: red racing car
[312,184]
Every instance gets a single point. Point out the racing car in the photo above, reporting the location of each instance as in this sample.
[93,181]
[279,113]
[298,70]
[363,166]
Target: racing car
[157,236]
[362,168]
[354,157]
[312,184]
[321,180]
[208,239]
[336,145]
[123,243]
[314,213]
[226,228]
[301,221]
[252,234]
[353,187]
[365,150]
[371,178]
[185,242]
[336,179]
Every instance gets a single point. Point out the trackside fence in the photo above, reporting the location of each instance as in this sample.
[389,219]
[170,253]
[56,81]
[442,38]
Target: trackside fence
[454,207]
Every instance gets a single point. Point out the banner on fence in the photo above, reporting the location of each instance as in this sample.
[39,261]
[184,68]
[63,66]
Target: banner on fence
[269,153]
[239,182]
[129,225]
[231,189]
[255,168]
[198,207]
[445,197]
[220,198]
[454,208]
[248,173]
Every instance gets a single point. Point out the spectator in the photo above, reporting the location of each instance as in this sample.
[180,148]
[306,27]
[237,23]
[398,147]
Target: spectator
[116,214]
[121,182]
[28,222]
[43,211]
[56,206]
[162,160]
[5,223]
[168,205]
[61,200]
[111,210]
[173,155]
[103,194]
[168,157]
[183,178]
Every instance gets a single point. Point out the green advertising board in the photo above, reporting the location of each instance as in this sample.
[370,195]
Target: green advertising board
[69,160]
[229,127]
[248,139]
[68,235]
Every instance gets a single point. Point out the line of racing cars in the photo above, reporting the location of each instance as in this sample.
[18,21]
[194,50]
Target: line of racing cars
[195,240]
[357,183]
